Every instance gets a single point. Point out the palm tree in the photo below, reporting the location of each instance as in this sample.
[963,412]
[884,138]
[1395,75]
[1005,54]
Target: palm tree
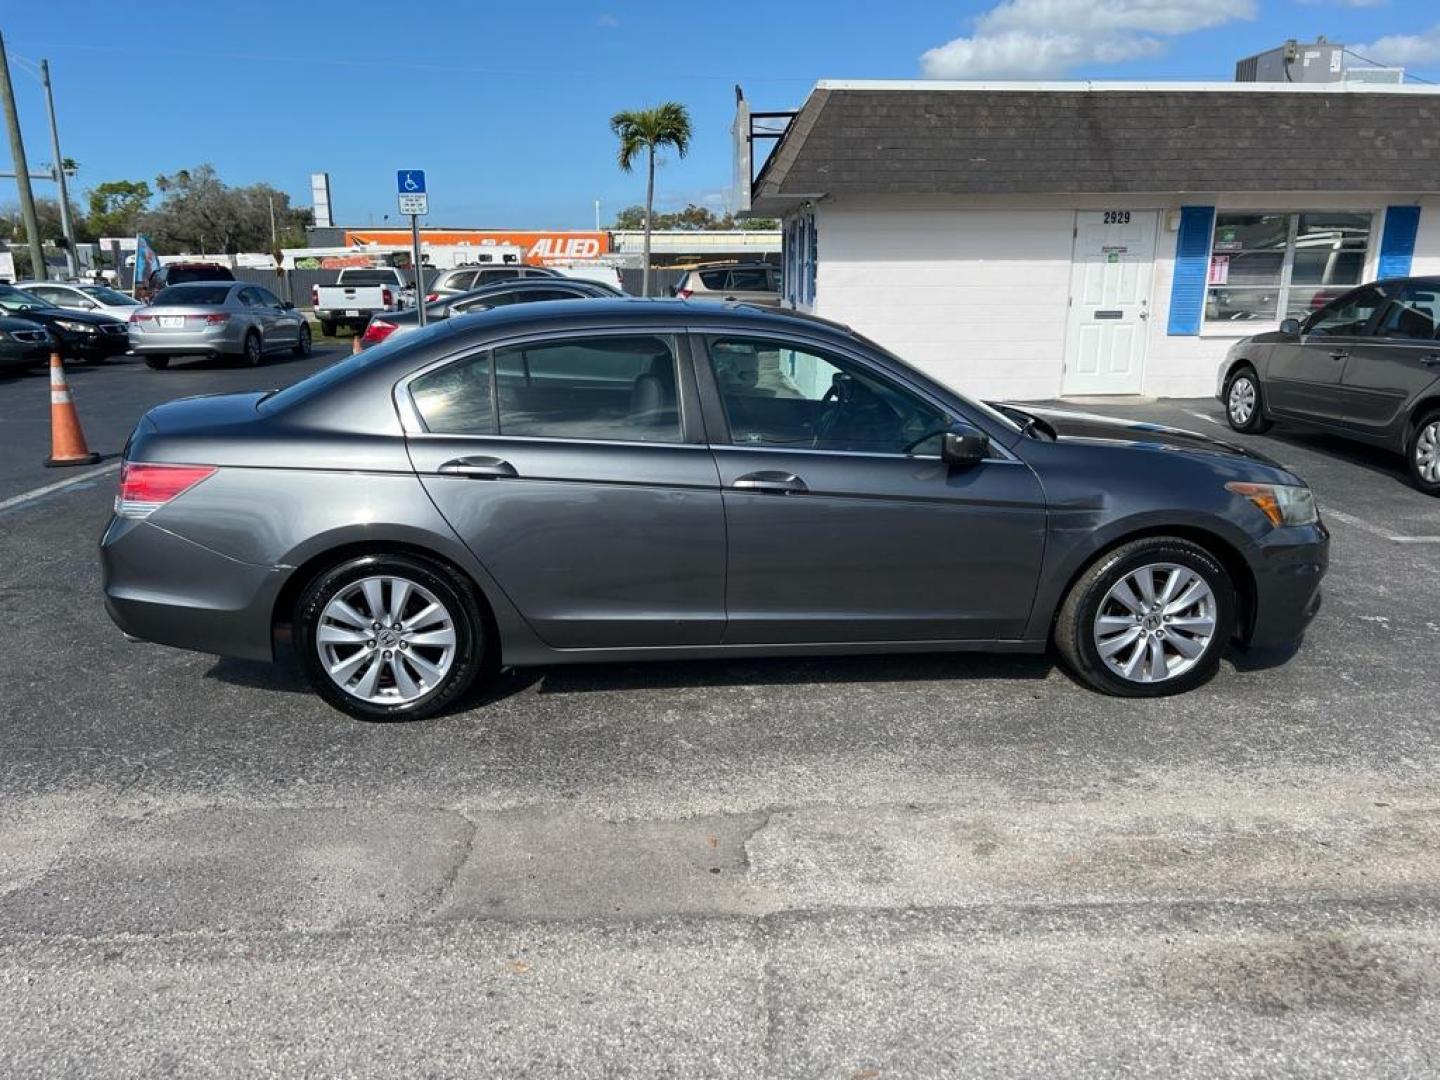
[649,129]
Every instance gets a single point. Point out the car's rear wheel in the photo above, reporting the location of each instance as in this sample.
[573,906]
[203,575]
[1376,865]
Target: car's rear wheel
[327,328]
[303,345]
[1244,404]
[1423,454]
[157,363]
[387,637]
[254,351]
[1150,618]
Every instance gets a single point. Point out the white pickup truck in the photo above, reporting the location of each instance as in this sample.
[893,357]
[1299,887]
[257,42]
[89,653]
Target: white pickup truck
[358,293]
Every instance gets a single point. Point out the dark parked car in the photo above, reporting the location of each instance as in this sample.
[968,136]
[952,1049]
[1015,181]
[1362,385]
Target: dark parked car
[23,344]
[1366,365]
[519,291]
[633,479]
[182,273]
[79,335]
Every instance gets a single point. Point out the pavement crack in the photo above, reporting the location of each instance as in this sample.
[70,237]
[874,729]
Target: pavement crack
[447,881]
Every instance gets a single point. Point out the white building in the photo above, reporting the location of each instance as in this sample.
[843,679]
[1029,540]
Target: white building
[1034,240]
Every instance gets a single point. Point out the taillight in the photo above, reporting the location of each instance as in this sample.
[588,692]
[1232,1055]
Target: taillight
[145,488]
[314,296]
[219,318]
[376,332]
[684,294]
[387,297]
[431,297]
[139,318]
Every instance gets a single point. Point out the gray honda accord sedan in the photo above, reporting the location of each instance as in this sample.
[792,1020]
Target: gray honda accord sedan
[655,479]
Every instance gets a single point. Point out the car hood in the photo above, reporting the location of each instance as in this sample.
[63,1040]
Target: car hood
[90,318]
[15,322]
[1091,428]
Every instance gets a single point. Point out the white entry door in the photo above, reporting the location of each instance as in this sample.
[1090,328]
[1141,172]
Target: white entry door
[1110,274]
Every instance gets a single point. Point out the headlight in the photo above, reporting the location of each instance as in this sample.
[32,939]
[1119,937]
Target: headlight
[75,327]
[1281,503]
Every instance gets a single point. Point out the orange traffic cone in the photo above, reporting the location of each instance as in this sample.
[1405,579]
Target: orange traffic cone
[67,441]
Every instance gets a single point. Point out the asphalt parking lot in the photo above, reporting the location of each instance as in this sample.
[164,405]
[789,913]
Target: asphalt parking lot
[852,868]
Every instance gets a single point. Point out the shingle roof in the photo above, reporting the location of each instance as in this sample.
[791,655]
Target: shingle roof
[916,140]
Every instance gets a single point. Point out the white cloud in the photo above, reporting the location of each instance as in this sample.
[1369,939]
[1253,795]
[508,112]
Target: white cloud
[1035,38]
[1421,48]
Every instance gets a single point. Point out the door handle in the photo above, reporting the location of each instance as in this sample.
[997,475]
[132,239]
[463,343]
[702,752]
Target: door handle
[773,482]
[479,468]
[1338,354]
[727,298]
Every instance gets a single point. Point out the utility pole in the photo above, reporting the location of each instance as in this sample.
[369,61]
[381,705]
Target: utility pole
[22,168]
[72,257]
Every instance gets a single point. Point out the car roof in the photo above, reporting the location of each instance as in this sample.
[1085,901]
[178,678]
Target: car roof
[609,312]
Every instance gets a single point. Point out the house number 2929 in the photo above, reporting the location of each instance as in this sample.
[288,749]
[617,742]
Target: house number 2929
[1117,217]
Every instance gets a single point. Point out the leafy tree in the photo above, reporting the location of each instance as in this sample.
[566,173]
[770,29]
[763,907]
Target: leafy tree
[47,216]
[198,212]
[698,218]
[646,131]
[116,205]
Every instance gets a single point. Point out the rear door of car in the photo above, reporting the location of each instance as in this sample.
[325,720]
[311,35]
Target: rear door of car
[574,466]
[843,524]
[1303,377]
[1388,371]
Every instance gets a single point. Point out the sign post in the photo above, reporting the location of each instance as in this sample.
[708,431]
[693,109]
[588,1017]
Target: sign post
[410,187]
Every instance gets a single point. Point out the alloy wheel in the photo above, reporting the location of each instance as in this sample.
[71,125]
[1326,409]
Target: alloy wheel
[1241,400]
[386,640]
[1427,452]
[1156,623]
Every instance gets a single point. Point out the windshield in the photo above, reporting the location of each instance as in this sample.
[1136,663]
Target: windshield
[366,277]
[108,296]
[325,378]
[191,294]
[988,411]
[13,299]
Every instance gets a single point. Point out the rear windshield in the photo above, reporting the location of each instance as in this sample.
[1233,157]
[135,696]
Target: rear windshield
[107,296]
[176,274]
[192,294]
[374,356]
[367,277]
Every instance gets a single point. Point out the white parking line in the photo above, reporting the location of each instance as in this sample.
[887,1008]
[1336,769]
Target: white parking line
[1201,416]
[59,485]
[1375,530]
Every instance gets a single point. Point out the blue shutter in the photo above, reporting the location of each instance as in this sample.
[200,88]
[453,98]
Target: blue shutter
[1192,270]
[1397,242]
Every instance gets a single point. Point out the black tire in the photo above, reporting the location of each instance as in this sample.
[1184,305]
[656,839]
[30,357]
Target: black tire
[1075,626]
[327,328]
[254,349]
[1425,439]
[157,363]
[94,360]
[304,345]
[1254,421]
[446,585]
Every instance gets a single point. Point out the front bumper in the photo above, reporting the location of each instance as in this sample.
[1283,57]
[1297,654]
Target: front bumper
[1288,567]
[15,355]
[163,588]
[97,346]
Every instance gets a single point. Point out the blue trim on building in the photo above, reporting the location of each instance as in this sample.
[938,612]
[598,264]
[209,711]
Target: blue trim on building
[1397,241]
[1192,270]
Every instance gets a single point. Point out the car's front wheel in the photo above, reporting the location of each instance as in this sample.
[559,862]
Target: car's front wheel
[389,637]
[303,343]
[1150,618]
[254,350]
[1423,454]
[1244,405]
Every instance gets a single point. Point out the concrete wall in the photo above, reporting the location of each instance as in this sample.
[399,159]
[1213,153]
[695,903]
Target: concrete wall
[976,291]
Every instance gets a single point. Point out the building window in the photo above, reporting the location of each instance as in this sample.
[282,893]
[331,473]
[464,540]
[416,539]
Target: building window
[800,254]
[1274,266]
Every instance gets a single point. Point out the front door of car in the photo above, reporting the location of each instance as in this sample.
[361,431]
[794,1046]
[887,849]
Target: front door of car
[1389,370]
[1303,376]
[284,325]
[574,468]
[843,523]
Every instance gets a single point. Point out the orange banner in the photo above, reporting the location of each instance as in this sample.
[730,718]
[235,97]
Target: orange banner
[539,246]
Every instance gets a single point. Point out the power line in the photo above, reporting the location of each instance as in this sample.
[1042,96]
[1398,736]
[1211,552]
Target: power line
[1377,63]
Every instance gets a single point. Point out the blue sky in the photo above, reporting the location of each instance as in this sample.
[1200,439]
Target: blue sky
[506,104]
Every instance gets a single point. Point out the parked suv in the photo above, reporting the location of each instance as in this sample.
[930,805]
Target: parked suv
[178,273]
[750,283]
[1365,366]
[465,278]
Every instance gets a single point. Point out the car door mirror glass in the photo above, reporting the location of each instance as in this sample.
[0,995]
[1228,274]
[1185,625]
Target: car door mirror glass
[1290,327]
[964,446]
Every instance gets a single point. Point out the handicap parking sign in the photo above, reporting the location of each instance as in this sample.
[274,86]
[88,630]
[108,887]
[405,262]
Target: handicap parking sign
[410,181]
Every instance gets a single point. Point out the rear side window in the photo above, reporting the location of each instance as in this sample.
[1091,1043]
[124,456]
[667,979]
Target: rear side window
[750,279]
[460,281]
[192,294]
[458,398]
[715,279]
[485,277]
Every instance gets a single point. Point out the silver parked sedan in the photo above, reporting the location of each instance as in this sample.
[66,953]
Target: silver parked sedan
[216,318]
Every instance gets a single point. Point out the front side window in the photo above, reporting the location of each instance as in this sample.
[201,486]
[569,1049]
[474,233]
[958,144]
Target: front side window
[1413,314]
[1348,316]
[1268,266]
[778,395]
[610,388]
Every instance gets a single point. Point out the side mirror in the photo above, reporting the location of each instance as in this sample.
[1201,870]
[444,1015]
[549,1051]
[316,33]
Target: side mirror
[1290,327]
[289,305]
[964,446]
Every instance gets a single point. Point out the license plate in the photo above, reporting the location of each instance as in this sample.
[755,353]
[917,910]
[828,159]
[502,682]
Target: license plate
[171,322]
[352,313]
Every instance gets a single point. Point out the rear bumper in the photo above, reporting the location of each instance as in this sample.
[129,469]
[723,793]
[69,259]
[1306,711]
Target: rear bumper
[224,341]
[1288,569]
[163,588]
